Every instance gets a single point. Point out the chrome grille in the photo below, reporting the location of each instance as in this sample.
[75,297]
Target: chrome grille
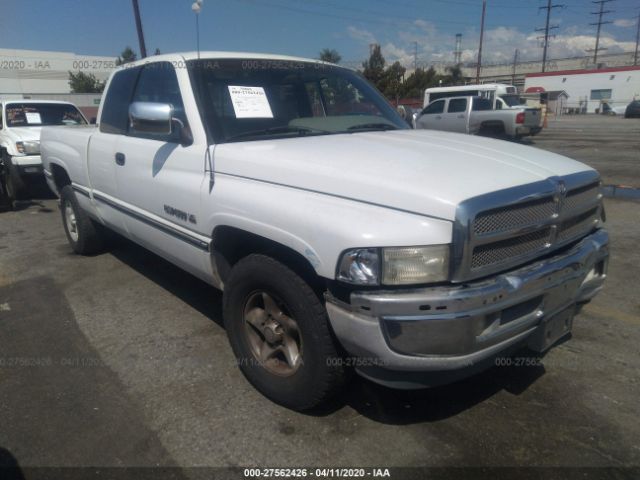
[494,253]
[511,217]
[508,228]
[577,225]
[580,196]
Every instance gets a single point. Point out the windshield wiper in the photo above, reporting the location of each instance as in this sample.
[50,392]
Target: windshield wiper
[301,131]
[374,127]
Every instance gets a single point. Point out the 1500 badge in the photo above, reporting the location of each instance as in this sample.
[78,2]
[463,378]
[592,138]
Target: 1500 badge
[180,214]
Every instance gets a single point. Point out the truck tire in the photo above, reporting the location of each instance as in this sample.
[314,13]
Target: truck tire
[84,235]
[279,331]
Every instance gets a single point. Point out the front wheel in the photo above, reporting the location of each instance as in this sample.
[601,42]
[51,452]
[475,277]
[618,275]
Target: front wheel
[83,234]
[279,332]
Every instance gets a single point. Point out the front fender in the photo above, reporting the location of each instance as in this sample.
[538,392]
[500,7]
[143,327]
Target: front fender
[319,227]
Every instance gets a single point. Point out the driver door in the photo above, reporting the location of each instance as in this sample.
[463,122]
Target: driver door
[432,116]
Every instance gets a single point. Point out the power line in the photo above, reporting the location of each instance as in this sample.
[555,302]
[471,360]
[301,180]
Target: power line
[550,6]
[599,23]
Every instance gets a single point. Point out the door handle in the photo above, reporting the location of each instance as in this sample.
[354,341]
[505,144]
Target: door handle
[460,116]
[120,158]
[438,117]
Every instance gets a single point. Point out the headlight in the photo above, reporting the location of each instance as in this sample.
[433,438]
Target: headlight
[31,147]
[395,266]
[406,266]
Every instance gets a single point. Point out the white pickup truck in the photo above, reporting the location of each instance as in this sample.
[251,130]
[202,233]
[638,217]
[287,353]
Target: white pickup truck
[340,237]
[476,116]
[20,124]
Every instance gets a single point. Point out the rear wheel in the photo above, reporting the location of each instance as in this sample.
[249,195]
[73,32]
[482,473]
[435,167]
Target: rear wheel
[279,331]
[84,235]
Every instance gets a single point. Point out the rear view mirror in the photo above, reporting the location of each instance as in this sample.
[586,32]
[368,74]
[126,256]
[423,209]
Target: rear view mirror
[147,117]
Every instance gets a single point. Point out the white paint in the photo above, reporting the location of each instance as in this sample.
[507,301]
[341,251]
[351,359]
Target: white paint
[4,307]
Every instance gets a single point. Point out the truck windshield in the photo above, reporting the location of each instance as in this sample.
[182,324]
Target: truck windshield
[511,100]
[41,114]
[243,100]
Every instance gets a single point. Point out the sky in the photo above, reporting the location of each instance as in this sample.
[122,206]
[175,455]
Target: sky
[304,27]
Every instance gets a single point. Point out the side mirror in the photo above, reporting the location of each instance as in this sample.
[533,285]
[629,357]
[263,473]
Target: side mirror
[147,117]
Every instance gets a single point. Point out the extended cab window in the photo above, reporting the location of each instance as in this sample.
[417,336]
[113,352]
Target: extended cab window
[457,105]
[158,83]
[482,104]
[115,111]
[435,107]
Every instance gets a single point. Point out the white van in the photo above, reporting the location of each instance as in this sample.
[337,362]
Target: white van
[500,94]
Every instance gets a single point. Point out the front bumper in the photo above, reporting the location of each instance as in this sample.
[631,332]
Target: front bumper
[454,328]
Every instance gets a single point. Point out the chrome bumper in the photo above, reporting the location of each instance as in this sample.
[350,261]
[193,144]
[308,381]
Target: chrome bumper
[451,328]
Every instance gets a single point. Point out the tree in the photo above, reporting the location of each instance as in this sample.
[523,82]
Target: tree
[391,82]
[455,75]
[373,68]
[127,56]
[416,83]
[85,83]
[330,55]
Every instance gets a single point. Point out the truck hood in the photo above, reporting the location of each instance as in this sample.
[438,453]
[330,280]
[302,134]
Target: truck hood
[421,171]
[23,133]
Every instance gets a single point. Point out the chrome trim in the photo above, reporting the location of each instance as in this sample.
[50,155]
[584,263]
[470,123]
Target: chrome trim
[557,189]
[469,322]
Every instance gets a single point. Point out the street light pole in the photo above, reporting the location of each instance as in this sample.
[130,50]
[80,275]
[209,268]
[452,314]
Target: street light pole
[197,7]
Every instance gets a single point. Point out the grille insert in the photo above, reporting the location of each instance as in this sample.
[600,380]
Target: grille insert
[580,196]
[577,225]
[505,250]
[508,218]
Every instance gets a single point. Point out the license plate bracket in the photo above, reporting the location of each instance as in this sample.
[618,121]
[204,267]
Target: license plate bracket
[552,329]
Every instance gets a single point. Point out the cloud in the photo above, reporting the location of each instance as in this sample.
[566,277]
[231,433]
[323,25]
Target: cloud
[624,23]
[500,43]
[361,35]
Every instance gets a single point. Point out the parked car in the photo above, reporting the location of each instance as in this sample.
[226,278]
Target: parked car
[20,125]
[340,237]
[476,116]
[633,110]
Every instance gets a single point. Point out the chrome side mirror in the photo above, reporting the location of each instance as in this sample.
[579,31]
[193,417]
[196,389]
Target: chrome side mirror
[147,117]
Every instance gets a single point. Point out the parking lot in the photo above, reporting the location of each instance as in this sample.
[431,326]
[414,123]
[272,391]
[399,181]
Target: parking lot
[120,359]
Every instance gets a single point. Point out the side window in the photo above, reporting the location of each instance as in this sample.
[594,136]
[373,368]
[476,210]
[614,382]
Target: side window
[158,83]
[481,104]
[457,105]
[0,117]
[115,111]
[435,107]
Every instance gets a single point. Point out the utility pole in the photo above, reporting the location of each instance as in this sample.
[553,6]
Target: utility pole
[545,45]
[136,13]
[515,64]
[484,11]
[599,23]
[415,56]
[635,55]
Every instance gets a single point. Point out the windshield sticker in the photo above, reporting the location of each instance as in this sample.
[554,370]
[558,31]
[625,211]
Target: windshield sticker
[33,117]
[250,102]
